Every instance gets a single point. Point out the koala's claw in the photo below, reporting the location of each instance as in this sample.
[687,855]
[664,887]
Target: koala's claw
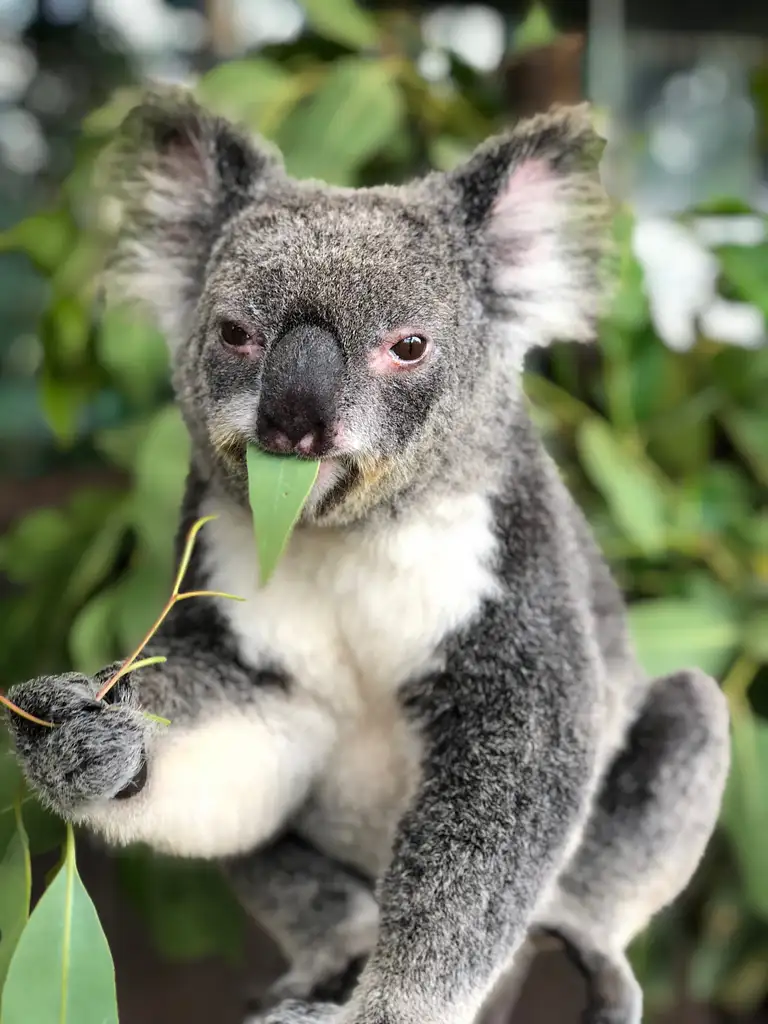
[96,748]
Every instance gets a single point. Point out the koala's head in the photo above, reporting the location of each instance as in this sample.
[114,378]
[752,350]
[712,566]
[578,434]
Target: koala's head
[381,330]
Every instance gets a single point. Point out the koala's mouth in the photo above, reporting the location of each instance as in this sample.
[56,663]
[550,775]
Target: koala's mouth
[330,478]
[339,475]
[336,477]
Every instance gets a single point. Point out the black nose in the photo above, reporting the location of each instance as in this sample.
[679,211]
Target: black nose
[299,391]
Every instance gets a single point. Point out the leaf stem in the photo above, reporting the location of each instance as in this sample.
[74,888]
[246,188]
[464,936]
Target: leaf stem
[134,661]
[131,663]
[157,659]
[738,681]
[128,664]
[24,714]
[66,944]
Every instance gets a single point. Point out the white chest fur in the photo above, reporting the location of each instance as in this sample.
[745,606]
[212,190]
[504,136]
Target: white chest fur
[351,615]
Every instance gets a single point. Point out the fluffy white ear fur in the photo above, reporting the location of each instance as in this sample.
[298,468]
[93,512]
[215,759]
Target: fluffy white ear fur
[543,225]
[177,173]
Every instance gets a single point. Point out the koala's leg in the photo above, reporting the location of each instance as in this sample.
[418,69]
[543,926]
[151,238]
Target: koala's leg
[323,916]
[655,814]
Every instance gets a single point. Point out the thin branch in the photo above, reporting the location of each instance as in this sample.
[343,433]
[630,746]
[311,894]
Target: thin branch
[25,714]
[134,662]
[131,663]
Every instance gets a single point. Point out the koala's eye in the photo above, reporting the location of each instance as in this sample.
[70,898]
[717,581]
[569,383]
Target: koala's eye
[234,335]
[410,349]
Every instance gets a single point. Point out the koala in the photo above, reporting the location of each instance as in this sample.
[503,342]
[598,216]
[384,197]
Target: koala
[426,740]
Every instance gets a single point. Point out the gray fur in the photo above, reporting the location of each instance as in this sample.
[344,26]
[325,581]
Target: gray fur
[436,696]
[100,752]
[322,915]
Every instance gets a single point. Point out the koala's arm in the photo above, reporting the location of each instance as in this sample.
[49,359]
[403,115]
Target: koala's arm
[511,750]
[239,756]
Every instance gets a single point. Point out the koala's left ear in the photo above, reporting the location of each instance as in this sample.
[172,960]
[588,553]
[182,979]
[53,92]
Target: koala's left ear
[537,218]
[178,174]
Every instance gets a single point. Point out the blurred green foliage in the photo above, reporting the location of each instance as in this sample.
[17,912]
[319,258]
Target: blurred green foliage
[667,452]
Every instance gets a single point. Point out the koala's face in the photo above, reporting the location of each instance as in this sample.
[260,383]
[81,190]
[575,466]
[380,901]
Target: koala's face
[333,326]
[360,328]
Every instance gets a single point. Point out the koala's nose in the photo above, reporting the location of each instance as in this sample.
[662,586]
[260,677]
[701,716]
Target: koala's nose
[300,386]
[295,431]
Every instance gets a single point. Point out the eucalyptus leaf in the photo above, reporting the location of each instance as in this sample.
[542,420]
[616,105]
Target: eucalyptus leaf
[44,237]
[62,971]
[536,31]
[44,831]
[15,892]
[756,635]
[674,633]
[256,92]
[278,487]
[627,483]
[98,558]
[62,405]
[745,807]
[134,353]
[744,266]
[749,432]
[343,21]
[10,774]
[7,826]
[92,641]
[355,113]
[160,470]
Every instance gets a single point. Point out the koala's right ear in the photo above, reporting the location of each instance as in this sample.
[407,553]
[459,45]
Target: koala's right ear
[534,211]
[179,174]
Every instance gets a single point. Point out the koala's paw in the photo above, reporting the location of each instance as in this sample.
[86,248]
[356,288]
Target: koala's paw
[294,1011]
[96,749]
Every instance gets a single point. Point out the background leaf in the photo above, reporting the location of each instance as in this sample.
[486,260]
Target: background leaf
[630,489]
[745,808]
[256,92]
[11,783]
[15,892]
[92,639]
[62,972]
[744,266]
[749,434]
[673,633]
[343,21]
[134,353]
[361,110]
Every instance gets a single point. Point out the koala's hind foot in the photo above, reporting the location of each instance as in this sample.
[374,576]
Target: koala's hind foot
[657,810]
[613,993]
[323,916]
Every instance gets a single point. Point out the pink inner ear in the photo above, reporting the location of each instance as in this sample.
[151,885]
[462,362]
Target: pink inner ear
[531,182]
[532,172]
[526,223]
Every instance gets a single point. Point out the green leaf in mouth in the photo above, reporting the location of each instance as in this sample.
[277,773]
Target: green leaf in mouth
[278,487]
